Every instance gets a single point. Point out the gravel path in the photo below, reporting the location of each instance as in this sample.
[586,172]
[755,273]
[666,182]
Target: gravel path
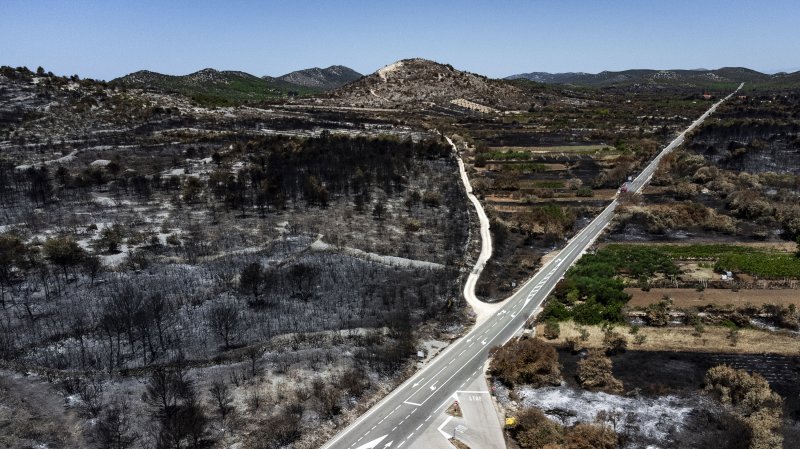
[483,310]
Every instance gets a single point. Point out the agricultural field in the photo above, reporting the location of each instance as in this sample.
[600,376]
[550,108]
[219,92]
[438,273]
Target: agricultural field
[760,262]
[541,177]
[688,298]
[701,269]
[599,287]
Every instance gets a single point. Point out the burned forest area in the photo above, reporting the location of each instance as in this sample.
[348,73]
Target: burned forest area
[199,265]
[180,277]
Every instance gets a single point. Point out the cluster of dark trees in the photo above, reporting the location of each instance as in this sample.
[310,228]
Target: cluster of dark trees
[171,394]
[283,170]
[280,170]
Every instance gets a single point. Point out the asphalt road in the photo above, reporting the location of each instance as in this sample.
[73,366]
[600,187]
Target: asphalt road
[401,417]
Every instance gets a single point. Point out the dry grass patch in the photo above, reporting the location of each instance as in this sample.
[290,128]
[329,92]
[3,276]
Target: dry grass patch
[595,373]
[526,361]
[685,338]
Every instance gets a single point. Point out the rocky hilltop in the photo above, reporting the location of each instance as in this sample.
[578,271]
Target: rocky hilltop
[419,83]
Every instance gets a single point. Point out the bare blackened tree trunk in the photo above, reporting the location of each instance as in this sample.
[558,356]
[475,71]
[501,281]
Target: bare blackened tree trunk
[79,327]
[114,428]
[253,354]
[223,318]
[221,396]
[172,396]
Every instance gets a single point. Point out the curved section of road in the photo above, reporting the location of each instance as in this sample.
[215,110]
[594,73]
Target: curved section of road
[483,310]
[398,421]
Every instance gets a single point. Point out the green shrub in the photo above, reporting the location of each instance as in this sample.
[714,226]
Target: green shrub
[555,310]
[173,239]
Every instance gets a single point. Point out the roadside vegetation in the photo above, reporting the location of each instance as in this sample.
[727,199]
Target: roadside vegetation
[616,399]
[592,291]
[716,229]
[527,361]
[752,401]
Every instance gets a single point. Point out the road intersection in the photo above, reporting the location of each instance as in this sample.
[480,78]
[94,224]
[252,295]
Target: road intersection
[404,415]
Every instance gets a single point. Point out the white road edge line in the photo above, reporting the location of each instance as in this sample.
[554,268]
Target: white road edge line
[444,434]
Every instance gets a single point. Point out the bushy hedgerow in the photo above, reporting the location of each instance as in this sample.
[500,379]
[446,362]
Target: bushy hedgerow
[591,292]
[528,361]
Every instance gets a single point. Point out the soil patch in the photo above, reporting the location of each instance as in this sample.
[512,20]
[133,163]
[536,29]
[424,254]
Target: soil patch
[689,297]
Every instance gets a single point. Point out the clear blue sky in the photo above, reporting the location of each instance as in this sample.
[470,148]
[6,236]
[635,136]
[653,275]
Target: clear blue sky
[105,39]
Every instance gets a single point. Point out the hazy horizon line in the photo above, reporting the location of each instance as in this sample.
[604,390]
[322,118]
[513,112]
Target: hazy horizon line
[766,72]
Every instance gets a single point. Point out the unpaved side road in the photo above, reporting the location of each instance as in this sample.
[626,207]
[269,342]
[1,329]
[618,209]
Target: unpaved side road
[482,310]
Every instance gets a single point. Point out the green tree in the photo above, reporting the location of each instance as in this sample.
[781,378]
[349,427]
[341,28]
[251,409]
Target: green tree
[111,238]
[63,252]
[798,246]
[192,189]
[12,255]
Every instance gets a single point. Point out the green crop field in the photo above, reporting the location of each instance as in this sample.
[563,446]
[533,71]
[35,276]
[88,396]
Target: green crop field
[593,290]
[509,155]
[525,168]
[754,261]
[548,184]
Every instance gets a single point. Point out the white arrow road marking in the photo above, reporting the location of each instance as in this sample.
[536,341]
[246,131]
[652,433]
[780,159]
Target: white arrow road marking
[433,387]
[483,342]
[374,443]
[389,444]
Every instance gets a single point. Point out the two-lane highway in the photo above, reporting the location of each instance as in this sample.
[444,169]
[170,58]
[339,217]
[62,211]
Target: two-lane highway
[402,416]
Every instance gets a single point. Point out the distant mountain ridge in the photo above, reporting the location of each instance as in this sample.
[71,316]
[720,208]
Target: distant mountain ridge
[215,87]
[650,77]
[421,83]
[325,79]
